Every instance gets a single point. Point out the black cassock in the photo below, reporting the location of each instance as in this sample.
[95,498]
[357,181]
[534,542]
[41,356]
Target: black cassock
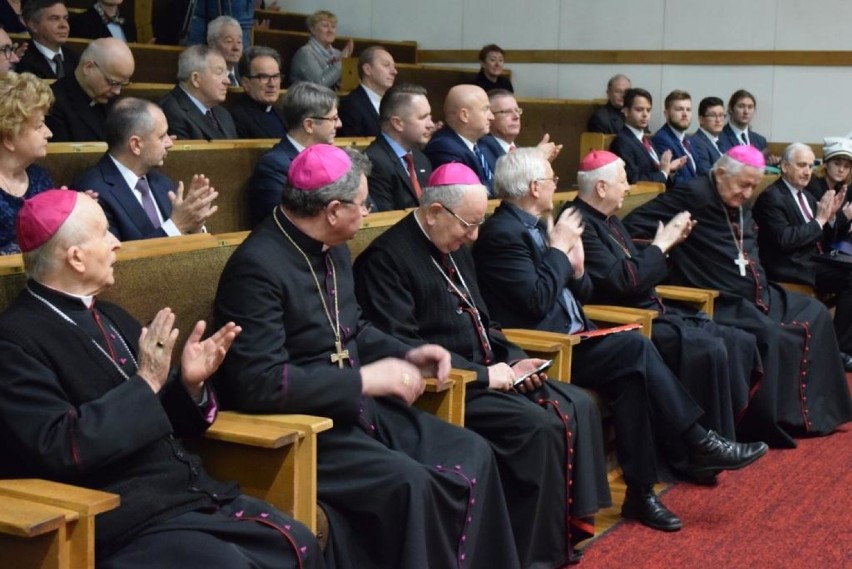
[401,488]
[719,365]
[548,443]
[804,389]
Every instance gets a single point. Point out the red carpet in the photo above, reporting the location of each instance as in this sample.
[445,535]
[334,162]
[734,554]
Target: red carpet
[791,509]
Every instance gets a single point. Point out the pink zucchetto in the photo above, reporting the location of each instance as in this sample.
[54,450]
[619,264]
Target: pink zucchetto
[597,159]
[748,155]
[41,216]
[452,174]
[318,166]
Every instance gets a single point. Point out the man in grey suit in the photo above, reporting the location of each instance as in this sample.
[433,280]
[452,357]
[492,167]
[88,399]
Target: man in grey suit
[193,108]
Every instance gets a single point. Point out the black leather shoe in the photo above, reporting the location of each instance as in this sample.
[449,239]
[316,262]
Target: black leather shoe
[645,506]
[846,360]
[714,453]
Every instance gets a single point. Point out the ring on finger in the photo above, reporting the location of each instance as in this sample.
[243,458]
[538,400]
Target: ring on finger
[406,379]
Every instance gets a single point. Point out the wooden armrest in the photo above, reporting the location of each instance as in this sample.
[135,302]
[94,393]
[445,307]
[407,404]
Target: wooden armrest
[702,298]
[447,401]
[622,315]
[546,345]
[76,540]
[233,429]
[26,518]
[800,288]
[34,534]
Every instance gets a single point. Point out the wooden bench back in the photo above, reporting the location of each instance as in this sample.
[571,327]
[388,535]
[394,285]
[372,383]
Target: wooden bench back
[154,63]
[283,21]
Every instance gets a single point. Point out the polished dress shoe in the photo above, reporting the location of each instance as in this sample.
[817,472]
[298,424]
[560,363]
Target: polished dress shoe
[846,360]
[644,505]
[714,453]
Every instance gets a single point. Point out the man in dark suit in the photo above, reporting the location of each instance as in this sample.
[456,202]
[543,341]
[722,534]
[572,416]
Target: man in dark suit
[47,22]
[256,112]
[506,126]
[359,110]
[705,140]
[310,111]
[634,146]
[741,108]
[609,118]
[193,108]
[794,228]
[400,169]
[138,200]
[468,116]
[672,135]
[83,97]
[103,20]
[225,36]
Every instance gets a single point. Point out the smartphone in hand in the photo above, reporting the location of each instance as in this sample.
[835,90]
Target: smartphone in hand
[543,367]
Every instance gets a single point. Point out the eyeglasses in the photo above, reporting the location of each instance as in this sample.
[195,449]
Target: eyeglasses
[8,50]
[264,78]
[519,111]
[468,226]
[554,179]
[716,116]
[112,82]
[365,205]
[334,119]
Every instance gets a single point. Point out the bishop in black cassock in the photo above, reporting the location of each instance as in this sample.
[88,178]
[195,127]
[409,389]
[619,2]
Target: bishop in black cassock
[400,487]
[804,390]
[719,365]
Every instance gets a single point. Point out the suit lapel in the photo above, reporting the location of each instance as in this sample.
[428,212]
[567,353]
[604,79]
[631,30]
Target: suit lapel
[195,115]
[401,172]
[124,195]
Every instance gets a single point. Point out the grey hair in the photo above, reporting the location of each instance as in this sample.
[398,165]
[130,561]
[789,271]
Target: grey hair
[308,204]
[43,261]
[450,195]
[514,172]
[586,180]
[214,28]
[792,149]
[304,100]
[193,60]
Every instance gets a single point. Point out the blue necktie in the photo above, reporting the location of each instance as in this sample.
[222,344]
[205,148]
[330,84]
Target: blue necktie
[482,162]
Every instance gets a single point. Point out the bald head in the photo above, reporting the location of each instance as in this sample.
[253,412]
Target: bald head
[106,66]
[467,111]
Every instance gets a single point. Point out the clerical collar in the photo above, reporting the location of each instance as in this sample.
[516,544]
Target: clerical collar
[73,300]
[586,206]
[303,240]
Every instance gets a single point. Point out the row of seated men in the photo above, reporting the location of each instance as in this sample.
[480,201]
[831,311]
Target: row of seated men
[291,339]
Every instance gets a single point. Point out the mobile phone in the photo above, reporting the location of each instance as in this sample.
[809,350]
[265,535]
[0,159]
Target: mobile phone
[543,367]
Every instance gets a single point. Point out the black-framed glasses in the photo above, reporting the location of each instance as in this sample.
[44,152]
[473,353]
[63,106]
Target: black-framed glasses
[554,179]
[365,205]
[518,111]
[469,226]
[265,78]
[8,50]
[112,82]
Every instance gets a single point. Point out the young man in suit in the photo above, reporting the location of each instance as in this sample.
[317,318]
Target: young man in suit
[84,95]
[705,140]
[103,20]
[256,112]
[194,107]
[138,200]
[634,146]
[400,169]
[468,117]
[47,22]
[741,108]
[359,110]
[672,135]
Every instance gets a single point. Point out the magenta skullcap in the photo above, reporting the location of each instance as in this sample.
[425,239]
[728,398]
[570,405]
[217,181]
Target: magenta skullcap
[318,166]
[41,216]
[453,173]
[597,159]
[748,155]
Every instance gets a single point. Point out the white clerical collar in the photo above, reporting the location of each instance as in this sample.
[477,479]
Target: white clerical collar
[86,299]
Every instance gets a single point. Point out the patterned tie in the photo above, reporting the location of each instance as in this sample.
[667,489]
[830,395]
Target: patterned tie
[482,162]
[688,147]
[807,214]
[576,322]
[646,142]
[60,67]
[412,174]
[743,139]
[148,202]
[212,118]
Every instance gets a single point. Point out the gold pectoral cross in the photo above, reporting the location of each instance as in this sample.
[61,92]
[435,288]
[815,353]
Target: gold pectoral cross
[340,355]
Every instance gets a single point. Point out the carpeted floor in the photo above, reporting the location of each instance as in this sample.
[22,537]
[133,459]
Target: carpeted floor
[791,509]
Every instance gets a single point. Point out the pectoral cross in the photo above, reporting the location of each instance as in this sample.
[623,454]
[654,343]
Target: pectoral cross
[741,262]
[341,355]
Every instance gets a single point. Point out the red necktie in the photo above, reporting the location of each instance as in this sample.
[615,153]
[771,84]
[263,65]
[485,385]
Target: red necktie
[412,174]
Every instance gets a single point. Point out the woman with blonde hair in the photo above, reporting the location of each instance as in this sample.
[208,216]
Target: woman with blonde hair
[318,61]
[24,100]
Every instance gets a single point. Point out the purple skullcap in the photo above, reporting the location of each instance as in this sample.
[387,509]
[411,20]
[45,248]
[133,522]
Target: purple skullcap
[453,173]
[318,166]
[748,155]
[597,159]
[41,216]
